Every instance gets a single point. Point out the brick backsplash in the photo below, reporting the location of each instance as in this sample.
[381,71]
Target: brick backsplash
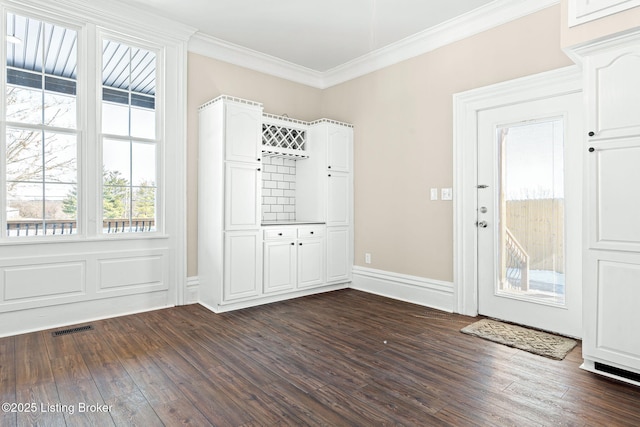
[278,189]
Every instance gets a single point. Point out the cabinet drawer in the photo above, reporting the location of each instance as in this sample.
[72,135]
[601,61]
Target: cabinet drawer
[280,233]
[308,232]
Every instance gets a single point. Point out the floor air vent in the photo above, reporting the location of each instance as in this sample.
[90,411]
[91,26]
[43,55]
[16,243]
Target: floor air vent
[72,330]
[618,372]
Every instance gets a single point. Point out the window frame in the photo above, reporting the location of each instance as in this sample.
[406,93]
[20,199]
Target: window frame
[103,34]
[80,130]
[89,185]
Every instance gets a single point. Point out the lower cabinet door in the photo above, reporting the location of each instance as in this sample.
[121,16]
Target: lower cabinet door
[339,260]
[279,266]
[310,262]
[242,265]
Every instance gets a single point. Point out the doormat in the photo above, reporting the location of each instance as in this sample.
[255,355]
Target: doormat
[536,342]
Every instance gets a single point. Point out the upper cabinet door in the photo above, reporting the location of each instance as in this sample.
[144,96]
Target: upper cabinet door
[242,196]
[243,133]
[339,142]
[581,11]
[614,92]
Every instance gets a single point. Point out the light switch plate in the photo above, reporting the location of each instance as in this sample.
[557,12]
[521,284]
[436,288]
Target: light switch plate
[434,194]
[447,194]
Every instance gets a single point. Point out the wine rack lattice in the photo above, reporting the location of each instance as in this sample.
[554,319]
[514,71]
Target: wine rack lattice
[278,139]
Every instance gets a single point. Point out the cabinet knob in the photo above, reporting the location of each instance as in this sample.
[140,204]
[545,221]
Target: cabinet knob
[592,133]
[259,169]
[311,232]
[259,159]
[591,149]
[279,234]
[300,244]
[292,243]
[328,167]
[329,175]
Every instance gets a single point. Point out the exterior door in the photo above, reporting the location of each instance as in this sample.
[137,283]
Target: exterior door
[529,213]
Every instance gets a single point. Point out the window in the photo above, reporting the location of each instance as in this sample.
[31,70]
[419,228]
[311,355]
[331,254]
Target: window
[128,138]
[41,130]
[46,144]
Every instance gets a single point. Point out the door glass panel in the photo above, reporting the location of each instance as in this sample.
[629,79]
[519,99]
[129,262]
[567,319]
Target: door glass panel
[531,206]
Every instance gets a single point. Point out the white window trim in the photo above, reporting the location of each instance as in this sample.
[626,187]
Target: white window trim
[158,50]
[124,19]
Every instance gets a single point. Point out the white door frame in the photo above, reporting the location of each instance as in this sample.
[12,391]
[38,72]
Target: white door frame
[466,106]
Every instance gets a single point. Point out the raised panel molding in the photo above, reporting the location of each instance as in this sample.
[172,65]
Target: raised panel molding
[141,273]
[617,296]
[39,283]
[43,281]
[582,11]
[617,212]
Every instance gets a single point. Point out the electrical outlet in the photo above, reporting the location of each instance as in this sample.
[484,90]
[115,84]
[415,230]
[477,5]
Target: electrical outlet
[434,194]
[367,258]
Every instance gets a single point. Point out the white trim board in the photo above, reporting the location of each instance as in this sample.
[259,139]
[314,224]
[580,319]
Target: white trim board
[466,107]
[57,316]
[482,19]
[413,289]
[582,11]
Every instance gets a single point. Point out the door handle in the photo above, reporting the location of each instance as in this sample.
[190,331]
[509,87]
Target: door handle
[482,224]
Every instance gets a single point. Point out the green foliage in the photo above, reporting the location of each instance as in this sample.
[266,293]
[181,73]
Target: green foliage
[144,201]
[115,195]
[70,203]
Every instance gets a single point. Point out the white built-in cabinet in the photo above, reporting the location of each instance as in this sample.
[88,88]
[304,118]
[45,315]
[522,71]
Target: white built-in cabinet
[243,261]
[582,11]
[611,343]
[294,257]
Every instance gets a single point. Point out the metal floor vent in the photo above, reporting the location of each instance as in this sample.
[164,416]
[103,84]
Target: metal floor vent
[617,371]
[72,330]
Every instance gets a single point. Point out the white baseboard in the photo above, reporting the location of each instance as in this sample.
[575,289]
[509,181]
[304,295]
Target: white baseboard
[192,291]
[56,316]
[413,289]
[417,290]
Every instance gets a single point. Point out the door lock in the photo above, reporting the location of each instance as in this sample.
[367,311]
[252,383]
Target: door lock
[483,209]
[482,224]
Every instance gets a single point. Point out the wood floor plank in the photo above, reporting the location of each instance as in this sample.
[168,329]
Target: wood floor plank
[335,359]
[32,363]
[84,393]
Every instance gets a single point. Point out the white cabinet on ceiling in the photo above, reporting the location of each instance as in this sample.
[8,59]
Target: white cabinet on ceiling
[611,345]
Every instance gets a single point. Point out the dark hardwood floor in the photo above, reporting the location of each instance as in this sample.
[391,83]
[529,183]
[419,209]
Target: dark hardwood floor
[336,359]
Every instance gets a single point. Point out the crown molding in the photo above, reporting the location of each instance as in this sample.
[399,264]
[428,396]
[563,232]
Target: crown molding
[479,20]
[482,19]
[213,47]
[113,13]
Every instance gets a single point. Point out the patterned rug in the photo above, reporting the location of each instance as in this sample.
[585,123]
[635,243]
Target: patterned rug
[537,342]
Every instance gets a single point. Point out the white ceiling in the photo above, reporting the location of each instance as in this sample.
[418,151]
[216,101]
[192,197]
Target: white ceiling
[319,35]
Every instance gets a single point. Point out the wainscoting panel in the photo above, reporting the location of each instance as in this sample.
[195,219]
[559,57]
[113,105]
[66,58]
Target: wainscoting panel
[61,284]
[140,272]
[28,282]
